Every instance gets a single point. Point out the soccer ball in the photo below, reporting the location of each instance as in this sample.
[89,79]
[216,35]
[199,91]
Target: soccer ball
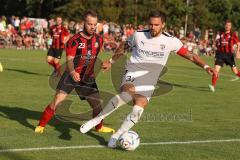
[129,141]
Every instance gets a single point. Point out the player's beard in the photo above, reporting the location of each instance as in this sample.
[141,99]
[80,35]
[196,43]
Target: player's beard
[155,33]
[87,32]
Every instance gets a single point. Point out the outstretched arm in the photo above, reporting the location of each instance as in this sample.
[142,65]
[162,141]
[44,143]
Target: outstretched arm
[198,61]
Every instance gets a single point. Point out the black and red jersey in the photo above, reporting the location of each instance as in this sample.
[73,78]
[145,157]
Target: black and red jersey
[85,52]
[58,33]
[226,42]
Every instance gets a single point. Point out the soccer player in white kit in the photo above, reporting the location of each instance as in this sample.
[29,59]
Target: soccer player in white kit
[150,51]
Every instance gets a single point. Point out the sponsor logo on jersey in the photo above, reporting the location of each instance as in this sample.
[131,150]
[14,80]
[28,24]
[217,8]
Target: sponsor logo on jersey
[162,46]
[151,53]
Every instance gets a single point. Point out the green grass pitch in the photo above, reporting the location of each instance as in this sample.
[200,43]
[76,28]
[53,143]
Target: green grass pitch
[190,112]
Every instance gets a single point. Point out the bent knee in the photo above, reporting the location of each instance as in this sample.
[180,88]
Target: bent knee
[49,59]
[129,88]
[140,100]
[59,97]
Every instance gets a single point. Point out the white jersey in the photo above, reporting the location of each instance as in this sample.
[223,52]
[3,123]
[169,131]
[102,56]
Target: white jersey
[149,56]
[148,49]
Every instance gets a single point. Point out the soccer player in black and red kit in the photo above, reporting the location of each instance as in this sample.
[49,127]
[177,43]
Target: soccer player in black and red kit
[225,53]
[82,51]
[60,36]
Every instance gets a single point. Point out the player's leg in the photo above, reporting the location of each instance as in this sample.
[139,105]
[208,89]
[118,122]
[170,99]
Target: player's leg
[220,60]
[127,91]
[130,79]
[50,110]
[236,71]
[53,59]
[231,62]
[143,90]
[57,66]
[56,60]
[114,103]
[50,57]
[132,118]
[50,61]
[95,103]
[215,77]
[64,87]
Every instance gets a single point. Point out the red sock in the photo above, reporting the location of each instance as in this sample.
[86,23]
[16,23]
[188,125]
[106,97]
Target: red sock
[51,63]
[99,126]
[95,112]
[57,67]
[238,74]
[46,116]
[214,79]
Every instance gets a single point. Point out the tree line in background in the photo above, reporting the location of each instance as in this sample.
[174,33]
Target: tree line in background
[201,13]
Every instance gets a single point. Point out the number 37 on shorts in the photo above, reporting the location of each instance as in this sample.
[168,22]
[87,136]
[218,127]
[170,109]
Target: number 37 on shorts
[128,77]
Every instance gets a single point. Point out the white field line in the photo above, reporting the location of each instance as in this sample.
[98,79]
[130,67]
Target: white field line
[101,146]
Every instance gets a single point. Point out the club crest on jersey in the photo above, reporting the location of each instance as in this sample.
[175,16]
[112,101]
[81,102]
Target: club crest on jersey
[96,45]
[162,46]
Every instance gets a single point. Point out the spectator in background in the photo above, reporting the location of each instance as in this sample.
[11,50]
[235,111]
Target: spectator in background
[48,40]
[191,36]
[51,22]
[10,34]
[44,25]
[71,28]
[109,43]
[28,41]
[111,28]
[197,34]
[210,36]
[2,28]
[3,21]
[105,28]
[99,29]
[181,33]
[19,41]
[171,31]
[29,25]
[17,23]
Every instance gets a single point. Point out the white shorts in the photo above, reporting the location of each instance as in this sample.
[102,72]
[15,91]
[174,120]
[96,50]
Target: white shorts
[143,77]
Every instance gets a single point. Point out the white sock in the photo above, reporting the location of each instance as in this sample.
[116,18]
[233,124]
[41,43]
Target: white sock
[131,119]
[115,103]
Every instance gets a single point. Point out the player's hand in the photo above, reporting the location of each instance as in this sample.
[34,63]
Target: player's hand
[106,65]
[75,76]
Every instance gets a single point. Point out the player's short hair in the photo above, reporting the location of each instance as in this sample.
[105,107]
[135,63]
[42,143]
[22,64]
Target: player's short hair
[89,13]
[157,14]
[228,21]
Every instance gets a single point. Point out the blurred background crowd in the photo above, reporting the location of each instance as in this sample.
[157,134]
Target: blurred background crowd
[33,33]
